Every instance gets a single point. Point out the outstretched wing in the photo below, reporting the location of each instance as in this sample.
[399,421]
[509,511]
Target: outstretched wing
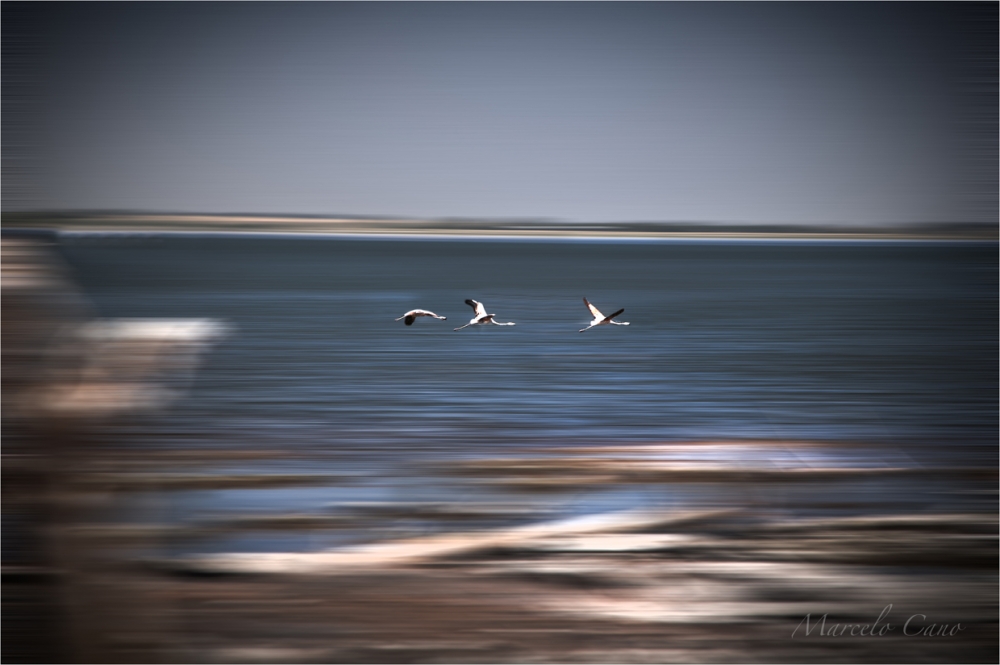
[593,310]
[611,316]
[477,306]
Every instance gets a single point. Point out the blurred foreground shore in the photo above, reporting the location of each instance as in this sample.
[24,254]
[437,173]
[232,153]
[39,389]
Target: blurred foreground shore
[736,578]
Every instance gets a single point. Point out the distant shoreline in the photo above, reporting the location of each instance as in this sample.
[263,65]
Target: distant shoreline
[524,229]
[441,237]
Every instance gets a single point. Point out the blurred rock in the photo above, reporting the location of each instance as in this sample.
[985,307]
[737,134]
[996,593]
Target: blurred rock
[67,376]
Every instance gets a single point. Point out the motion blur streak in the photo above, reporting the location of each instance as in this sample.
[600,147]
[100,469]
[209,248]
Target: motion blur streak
[784,430]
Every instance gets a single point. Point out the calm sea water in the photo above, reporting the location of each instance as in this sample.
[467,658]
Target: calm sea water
[890,345]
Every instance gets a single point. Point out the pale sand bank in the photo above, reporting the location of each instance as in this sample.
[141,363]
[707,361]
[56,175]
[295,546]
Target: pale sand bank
[157,223]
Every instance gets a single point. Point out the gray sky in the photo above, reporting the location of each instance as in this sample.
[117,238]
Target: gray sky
[861,113]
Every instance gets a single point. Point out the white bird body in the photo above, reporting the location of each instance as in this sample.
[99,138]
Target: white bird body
[481,317]
[600,319]
[412,315]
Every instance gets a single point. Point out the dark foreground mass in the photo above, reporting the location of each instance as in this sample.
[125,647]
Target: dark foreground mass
[736,578]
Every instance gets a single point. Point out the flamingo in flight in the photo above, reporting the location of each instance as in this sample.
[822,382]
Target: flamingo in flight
[481,318]
[600,319]
[412,315]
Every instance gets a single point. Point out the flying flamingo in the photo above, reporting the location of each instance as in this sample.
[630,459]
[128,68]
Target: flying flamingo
[412,315]
[600,319]
[481,317]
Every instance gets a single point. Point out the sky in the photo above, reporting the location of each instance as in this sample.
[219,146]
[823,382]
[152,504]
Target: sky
[791,113]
